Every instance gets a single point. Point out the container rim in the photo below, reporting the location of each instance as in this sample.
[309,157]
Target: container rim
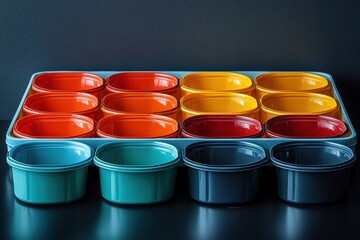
[313,168]
[47,144]
[297,94]
[221,95]
[196,75]
[225,168]
[138,168]
[38,96]
[139,94]
[167,76]
[270,75]
[92,76]
[200,118]
[268,124]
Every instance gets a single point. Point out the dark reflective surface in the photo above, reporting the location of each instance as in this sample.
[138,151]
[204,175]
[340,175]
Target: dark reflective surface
[180,218]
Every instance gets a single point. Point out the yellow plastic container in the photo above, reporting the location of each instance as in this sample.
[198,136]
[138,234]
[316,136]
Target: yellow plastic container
[281,82]
[206,82]
[294,103]
[219,104]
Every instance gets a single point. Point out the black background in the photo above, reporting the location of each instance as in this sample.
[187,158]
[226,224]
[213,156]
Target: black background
[178,35]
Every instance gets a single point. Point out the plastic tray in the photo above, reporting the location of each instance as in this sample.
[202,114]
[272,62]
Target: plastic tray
[348,140]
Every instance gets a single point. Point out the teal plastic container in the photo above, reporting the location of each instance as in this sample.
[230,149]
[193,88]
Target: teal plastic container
[50,172]
[137,172]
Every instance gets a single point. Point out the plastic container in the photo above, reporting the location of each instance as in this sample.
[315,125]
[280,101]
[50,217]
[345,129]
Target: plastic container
[221,126]
[68,82]
[50,172]
[349,139]
[219,104]
[54,126]
[292,103]
[142,82]
[281,82]
[305,126]
[138,126]
[69,102]
[205,82]
[137,172]
[224,172]
[312,172]
[144,103]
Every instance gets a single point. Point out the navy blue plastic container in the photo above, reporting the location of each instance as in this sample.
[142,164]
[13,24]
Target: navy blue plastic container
[224,172]
[312,172]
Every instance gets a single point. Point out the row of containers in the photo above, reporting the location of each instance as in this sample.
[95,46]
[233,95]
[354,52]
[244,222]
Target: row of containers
[49,172]
[209,105]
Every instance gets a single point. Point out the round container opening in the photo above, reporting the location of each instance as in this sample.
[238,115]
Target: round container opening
[54,126]
[142,81]
[139,103]
[228,103]
[79,103]
[217,126]
[306,155]
[303,126]
[48,155]
[137,126]
[296,81]
[220,155]
[216,81]
[67,81]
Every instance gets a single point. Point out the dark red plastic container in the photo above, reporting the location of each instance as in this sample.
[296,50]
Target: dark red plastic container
[305,126]
[221,126]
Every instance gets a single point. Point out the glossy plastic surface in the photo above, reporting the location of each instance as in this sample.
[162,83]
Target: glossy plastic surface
[203,82]
[145,103]
[137,173]
[312,172]
[54,126]
[68,81]
[50,172]
[221,126]
[349,139]
[293,103]
[305,126]
[218,104]
[67,102]
[280,82]
[142,82]
[137,126]
[224,173]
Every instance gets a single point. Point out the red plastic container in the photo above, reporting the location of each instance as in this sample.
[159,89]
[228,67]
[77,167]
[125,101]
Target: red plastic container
[221,126]
[68,82]
[142,82]
[305,126]
[69,102]
[138,126]
[54,126]
[139,103]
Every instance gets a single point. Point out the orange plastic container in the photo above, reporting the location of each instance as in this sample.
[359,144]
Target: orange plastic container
[54,126]
[138,126]
[141,102]
[143,82]
[69,102]
[68,82]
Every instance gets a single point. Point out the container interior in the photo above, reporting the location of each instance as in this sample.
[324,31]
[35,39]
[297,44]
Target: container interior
[141,155]
[50,155]
[222,128]
[217,82]
[307,128]
[224,154]
[308,155]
